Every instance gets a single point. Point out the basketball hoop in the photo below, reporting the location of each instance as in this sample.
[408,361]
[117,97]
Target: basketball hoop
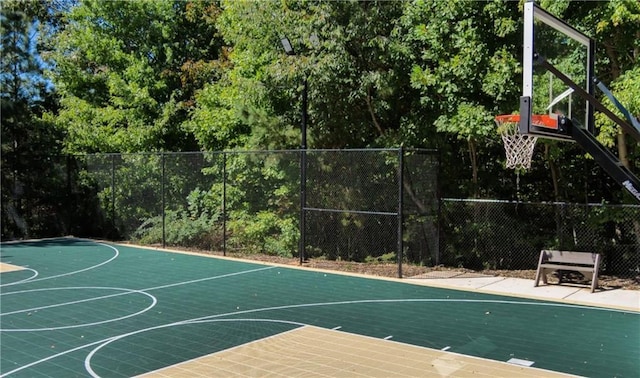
[519,147]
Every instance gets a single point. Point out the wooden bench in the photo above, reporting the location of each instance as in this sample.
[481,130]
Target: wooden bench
[584,262]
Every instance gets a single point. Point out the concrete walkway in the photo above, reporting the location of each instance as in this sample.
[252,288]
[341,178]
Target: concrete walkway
[523,288]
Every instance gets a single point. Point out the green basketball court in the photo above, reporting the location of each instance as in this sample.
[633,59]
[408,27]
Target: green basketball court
[83,308]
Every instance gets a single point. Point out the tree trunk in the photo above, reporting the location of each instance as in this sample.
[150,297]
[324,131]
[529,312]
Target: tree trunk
[374,119]
[554,173]
[623,153]
[474,166]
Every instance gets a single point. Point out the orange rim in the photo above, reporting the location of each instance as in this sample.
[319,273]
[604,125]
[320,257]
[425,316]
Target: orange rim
[543,120]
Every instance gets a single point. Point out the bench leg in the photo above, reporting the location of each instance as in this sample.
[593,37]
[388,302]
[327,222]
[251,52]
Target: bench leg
[541,274]
[594,281]
[544,275]
[596,271]
[540,269]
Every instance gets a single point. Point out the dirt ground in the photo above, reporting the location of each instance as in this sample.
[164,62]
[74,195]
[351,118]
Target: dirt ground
[416,271]
[391,270]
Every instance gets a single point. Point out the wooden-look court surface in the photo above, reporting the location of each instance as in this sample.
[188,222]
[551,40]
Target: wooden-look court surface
[316,352]
[6,268]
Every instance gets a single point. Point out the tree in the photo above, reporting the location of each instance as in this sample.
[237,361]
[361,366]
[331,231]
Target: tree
[355,63]
[25,95]
[25,91]
[615,27]
[127,73]
[465,66]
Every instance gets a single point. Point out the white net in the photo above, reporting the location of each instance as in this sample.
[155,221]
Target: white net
[518,147]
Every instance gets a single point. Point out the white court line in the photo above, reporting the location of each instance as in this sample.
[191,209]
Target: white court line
[141,291]
[30,280]
[234,347]
[212,317]
[423,300]
[32,309]
[128,291]
[87,360]
[154,301]
[51,357]
[105,296]
[208,278]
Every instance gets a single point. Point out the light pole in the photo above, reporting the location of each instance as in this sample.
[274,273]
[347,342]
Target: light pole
[288,49]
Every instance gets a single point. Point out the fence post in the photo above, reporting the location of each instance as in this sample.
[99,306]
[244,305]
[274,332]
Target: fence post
[400,206]
[439,209]
[224,203]
[113,192]
[303,200]
[69,197]
[162,188]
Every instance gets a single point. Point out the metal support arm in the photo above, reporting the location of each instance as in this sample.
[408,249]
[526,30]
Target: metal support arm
[606,159]
[635,134]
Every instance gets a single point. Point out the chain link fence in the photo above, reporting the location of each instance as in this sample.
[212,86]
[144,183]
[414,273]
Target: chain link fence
[45,196]
[371,205]
[169,199]
[250,202]
[503,235]
[361,205]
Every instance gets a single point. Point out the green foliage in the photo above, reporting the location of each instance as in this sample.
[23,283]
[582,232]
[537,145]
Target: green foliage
[261,212]
[464,68]
[382,259]
[470,121]
[463,53]
[208,75]
[215,122]
[127,73]
[615,27]
[626,89]
[264,232]
[351,55]
[29,144]
[262,203]
[182,229]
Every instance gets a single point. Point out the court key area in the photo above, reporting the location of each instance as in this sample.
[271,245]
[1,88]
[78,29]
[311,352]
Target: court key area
[78,308]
